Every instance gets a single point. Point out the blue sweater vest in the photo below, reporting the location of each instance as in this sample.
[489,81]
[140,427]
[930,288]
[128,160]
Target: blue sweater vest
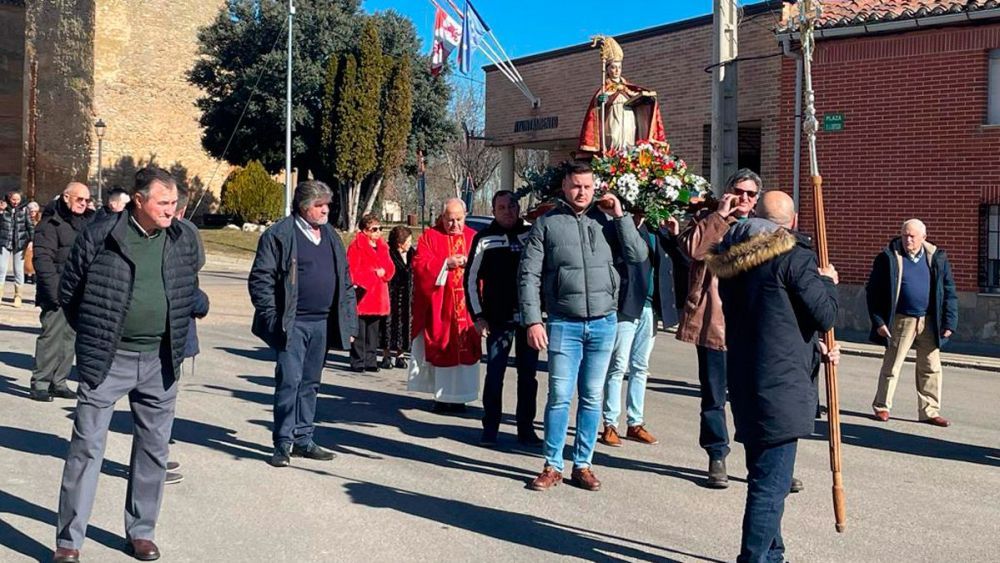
[915,290]
[315,277]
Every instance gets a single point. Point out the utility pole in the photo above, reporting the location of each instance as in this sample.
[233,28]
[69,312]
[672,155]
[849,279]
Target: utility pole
[725,111]
[288,117]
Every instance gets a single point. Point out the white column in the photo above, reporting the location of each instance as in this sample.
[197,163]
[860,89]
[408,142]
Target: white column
[507,168]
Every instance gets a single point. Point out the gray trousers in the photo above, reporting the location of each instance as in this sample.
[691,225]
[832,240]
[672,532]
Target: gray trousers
[53,352]
[140,376]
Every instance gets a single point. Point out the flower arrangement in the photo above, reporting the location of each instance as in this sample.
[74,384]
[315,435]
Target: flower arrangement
[647,178]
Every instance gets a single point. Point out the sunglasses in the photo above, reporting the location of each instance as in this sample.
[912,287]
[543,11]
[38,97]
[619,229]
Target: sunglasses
[374,229]
[749,193]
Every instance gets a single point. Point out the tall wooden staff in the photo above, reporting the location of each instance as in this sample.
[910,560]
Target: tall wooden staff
[807,17]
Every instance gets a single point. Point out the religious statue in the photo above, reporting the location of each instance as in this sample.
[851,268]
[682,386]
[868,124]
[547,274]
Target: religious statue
[620,113]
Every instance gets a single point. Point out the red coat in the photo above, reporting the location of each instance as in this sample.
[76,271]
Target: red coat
[440,312]
[363,259]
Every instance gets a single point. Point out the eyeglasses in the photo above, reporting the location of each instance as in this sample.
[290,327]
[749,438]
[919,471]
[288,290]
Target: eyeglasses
[374,229]
[80,199]
[749,193]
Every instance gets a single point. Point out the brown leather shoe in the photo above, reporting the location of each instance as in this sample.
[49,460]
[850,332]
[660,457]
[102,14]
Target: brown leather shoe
[640,434]
[585,479]
[143,550]
[882,416]
[610,437]
[66,555]
[938,421]
[549,478]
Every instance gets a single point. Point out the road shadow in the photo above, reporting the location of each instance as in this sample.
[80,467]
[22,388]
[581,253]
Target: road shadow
[9,386]
[259,353]
[201,434]
[17,360]
[545,535]
[42,444]
[885,439]
[19,542]
[673,387]
[36,330]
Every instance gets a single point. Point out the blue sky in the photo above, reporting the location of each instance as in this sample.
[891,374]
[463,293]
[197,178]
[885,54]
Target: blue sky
[529,27]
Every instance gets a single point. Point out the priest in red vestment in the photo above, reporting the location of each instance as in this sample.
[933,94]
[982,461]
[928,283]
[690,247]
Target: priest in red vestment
[446,346]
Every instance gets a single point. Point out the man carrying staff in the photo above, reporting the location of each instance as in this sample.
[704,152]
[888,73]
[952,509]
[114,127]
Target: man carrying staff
[446,345]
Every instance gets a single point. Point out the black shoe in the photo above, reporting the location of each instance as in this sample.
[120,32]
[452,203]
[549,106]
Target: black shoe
[41,395]
[529,439]
[357,369]
[439,407]
[373,369]
[62,393]
[313,451]
[488,439]
[173,465]
[173,478]
[797,486]
[281,457]
[401,362]
[386,363]
[718,478]
[456,407]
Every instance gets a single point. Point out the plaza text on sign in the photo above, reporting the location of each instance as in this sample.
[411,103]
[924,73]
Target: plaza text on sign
[536,124]
[833,122]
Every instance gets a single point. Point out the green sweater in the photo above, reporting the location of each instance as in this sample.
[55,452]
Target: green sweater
[146,320]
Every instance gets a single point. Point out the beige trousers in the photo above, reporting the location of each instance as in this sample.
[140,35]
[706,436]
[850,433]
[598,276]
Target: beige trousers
[906,333]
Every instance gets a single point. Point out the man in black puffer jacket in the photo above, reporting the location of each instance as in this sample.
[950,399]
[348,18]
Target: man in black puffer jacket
[128,290]
[62,220]
[775,299]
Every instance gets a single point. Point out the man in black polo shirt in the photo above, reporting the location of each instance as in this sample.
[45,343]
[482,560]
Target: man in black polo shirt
[128,290]
[303,300]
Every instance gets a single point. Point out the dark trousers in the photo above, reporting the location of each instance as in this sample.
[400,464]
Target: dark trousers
[713,437]
[143,377]
[769,477]
[296,382]
[53,352]
[498,344]
[364,349]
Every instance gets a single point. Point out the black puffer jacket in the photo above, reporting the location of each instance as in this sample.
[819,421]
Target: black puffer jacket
[16,228]
[96,290]
[491,277]
[775,302]
[54,238]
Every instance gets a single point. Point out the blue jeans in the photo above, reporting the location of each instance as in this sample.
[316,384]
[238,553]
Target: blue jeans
[579,353]
[501,339]
[714,436]
[769,477]
[296,383]
[633,344]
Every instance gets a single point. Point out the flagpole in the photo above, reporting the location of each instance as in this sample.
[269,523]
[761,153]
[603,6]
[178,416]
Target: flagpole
[288,117]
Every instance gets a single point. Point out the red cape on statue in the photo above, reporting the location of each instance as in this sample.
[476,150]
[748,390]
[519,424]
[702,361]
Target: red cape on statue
[440,312]
[590,140]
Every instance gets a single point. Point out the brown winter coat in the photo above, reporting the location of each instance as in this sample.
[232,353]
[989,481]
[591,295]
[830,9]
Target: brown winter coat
[702,322]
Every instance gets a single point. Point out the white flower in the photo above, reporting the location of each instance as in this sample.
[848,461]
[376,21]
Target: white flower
[673,182]
[671,193]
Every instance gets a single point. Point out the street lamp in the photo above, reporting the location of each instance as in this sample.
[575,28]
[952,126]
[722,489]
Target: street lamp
[99,127]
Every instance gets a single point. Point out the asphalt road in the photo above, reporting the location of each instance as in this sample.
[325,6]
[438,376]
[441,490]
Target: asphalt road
[410,485]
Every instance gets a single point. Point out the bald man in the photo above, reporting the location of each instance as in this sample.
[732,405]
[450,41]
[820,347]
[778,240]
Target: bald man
[62,220]
[776,300]
[912,302]
[446,345]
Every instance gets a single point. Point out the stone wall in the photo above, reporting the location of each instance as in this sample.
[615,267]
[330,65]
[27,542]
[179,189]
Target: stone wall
[142,53]
[11,89]
[59,35]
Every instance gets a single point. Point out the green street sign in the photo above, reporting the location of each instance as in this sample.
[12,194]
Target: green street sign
[833,122]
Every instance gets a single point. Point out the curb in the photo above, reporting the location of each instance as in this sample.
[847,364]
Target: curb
[964,362]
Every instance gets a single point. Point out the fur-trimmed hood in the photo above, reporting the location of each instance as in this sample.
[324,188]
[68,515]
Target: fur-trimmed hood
[749,245]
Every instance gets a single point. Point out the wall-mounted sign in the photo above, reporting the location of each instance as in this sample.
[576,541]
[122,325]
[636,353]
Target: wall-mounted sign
[833,122]
[536,124]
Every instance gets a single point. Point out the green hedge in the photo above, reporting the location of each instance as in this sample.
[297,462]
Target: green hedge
[253,195]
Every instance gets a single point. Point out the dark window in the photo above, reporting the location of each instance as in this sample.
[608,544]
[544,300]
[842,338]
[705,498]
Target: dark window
[749,142]
[993,95]
[989,248]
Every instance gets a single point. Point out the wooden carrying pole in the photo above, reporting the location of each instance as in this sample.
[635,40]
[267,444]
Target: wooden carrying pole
[810,126]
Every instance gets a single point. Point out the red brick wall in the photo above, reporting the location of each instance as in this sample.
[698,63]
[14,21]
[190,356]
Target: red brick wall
[914,143]
[672,64]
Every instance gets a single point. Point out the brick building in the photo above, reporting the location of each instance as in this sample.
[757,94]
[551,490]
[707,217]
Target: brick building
[910,95]
[124,62]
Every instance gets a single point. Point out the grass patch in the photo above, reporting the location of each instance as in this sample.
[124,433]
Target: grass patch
[230,242]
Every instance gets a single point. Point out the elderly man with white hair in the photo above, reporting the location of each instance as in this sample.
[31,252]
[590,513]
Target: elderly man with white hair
[446,345]
[912,303]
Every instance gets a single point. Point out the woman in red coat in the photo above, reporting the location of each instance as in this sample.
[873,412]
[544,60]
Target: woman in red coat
[371,269]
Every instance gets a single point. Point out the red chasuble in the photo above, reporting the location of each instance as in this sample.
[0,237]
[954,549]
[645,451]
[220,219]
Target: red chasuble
[649,123]
[439,312]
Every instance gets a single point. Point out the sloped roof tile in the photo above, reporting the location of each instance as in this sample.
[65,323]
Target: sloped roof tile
[845,13]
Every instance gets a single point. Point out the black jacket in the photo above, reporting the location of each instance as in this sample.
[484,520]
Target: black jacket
[55,235]
[775,302]
[96,290]
[882,290]
[16,227]
[274,290]
[491,276]
[635,280]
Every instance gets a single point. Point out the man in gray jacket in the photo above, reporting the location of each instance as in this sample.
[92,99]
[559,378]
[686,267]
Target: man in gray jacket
[569,263]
